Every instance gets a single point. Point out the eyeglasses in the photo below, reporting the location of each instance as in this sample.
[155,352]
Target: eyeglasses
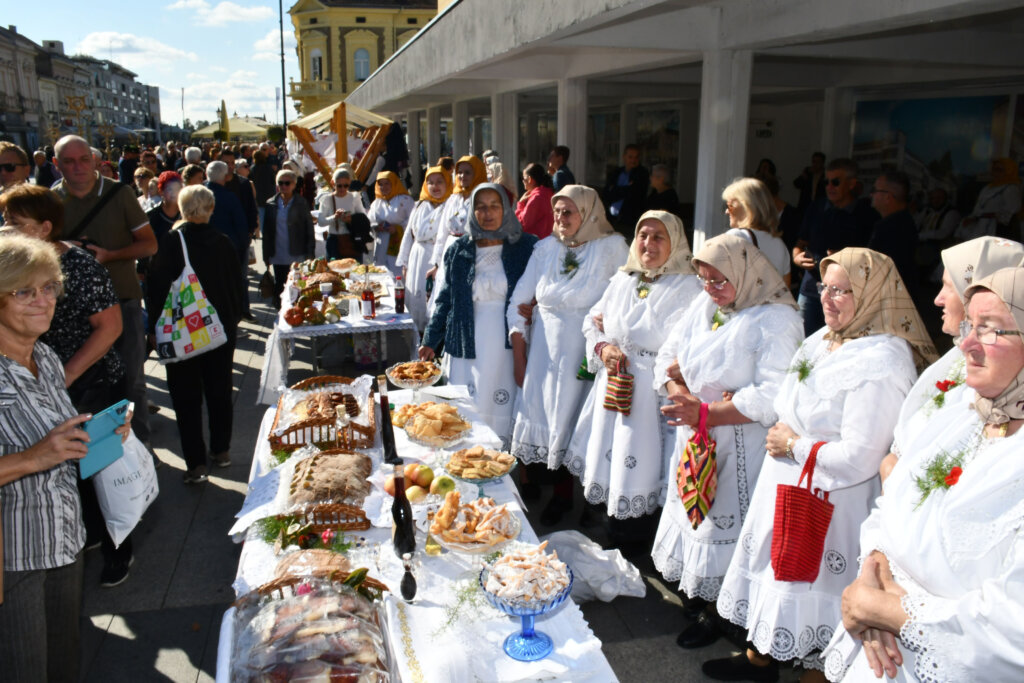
[9,168]
[51,290]
[832,291]
[835,182]
[284,183]
[343,186]
[716,285]
[986,335]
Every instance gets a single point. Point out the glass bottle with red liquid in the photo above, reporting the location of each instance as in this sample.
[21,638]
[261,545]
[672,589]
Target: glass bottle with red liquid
[367,301]
[399,295]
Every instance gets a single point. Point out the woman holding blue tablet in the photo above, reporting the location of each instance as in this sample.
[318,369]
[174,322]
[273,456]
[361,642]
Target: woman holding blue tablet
[40,438]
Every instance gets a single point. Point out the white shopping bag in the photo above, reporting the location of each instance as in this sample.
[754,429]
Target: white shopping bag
[597,573]
[125,488]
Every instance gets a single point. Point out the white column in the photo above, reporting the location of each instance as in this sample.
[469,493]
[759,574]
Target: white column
[433,134]
[572,124]
[460,129]
[722,140]
[627,125]
[478,135]
[412,136]
[836,122]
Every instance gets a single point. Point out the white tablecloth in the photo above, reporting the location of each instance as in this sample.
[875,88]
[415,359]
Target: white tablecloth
[471,647]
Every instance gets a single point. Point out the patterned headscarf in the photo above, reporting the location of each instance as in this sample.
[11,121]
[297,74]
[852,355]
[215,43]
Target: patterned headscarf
[975,259]
[679,255]
[510,229]
[756,280]
[479,174]
[397,187]
[425,194]
[1008,285]
[883,304]
[588,203]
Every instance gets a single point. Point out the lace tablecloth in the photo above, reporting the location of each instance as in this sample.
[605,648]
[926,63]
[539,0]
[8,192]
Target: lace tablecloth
[429,643]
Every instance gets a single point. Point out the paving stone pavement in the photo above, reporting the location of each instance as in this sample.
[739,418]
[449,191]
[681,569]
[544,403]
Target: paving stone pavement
[163,623]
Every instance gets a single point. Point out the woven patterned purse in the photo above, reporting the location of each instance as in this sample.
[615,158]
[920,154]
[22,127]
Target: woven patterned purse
[801,524]
[697,476]
[619,395]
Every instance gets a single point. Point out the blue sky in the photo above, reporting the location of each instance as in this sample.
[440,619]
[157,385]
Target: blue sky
[214,50]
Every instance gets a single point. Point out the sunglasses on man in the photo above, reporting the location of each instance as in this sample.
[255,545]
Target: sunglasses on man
[9,168]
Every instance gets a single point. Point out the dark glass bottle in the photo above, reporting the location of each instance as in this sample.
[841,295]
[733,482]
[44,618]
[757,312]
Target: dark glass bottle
[403,534]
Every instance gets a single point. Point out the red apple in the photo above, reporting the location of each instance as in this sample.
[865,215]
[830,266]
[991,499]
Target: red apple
[415,494]
[424,475]
[389,485]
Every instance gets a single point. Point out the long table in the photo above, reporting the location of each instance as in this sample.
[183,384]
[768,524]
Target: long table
[435,637]
[280,343]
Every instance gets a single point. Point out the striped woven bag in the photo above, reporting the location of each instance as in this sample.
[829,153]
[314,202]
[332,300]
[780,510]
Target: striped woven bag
[697,476]
[619,395]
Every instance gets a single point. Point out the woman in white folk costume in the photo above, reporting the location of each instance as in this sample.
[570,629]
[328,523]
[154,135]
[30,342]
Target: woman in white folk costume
[730,351]
[389,214]
[840,398]
[567,274]
[469,172]
[939,593]
[418,242]
[482,269]
[621,459]
[941,385]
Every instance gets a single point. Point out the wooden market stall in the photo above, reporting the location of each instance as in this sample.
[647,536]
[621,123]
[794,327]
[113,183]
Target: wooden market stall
[345,121]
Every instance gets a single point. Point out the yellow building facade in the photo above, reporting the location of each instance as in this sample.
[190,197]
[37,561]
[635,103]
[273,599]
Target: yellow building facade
[339,44]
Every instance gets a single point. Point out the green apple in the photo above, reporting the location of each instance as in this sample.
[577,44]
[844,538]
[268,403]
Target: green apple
[442,485]
[415,494]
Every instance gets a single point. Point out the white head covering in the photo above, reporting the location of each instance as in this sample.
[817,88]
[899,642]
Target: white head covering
[679,258]
[588,203]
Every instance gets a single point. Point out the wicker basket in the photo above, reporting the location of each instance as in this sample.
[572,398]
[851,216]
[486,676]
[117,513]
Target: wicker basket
[280,589]
[335,516]
[321,432]
[313,291]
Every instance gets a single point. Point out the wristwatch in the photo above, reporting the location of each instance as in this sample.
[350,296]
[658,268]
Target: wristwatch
[789,447]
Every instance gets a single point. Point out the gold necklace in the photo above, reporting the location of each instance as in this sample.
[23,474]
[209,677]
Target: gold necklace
[15,360]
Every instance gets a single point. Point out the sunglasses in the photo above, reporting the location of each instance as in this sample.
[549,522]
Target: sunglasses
[284,183]
[9,168]
[835,182]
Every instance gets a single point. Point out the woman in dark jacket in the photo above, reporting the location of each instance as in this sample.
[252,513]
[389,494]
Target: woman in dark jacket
[481,270]
[209,374]
[294,240]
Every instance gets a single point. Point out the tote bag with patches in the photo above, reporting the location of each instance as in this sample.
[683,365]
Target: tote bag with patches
[189,324]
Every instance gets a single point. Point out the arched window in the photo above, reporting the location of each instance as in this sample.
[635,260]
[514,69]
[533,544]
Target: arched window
[316,65]
[362,61]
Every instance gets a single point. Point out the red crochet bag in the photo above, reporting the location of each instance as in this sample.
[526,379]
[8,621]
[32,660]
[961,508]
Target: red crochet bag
[802,517]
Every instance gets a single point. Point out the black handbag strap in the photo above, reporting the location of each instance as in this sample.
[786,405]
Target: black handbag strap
[753,237]
[76,232]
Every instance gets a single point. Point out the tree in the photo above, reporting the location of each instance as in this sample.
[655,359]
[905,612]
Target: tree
[202,124]
[187,126]
[275,134]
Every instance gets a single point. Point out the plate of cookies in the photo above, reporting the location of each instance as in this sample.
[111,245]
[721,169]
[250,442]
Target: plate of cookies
[474,528]
[414,375]
[479,465]
[438,425]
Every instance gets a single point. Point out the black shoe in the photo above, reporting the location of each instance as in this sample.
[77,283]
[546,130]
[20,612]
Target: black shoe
[739,668]
[556,508]
[196,475]
[92,543]
[115,573]
[700,633]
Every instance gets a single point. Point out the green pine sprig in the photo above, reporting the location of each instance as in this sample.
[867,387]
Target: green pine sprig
[936,472]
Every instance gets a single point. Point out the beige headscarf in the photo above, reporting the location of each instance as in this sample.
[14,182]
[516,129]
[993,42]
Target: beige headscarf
[679,255]
[588,203]
[756,280]
[978,258]
[1008,285]
[883,304]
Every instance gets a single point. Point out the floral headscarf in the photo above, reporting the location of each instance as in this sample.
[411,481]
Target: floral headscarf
[510,229]
[425,194]
[679,254]
[883,304]
[479,174]
[588,203]
[397,186]
[756,280]
[1008,285]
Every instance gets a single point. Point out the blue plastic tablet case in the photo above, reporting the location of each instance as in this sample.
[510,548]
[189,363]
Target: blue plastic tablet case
[104,444]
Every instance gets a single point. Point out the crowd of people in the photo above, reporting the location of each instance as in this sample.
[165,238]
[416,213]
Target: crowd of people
[694,396]
[690,396]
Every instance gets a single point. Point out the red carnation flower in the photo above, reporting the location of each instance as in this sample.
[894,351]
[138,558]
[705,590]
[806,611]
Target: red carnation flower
[953,476]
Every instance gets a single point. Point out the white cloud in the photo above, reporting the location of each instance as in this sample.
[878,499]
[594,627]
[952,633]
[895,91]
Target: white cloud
[268,48]
[223,13]
[134,52]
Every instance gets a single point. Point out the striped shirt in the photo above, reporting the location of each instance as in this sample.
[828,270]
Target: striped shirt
[42,514]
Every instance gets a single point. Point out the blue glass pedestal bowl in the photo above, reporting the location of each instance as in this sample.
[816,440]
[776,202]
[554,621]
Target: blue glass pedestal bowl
[528,645]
